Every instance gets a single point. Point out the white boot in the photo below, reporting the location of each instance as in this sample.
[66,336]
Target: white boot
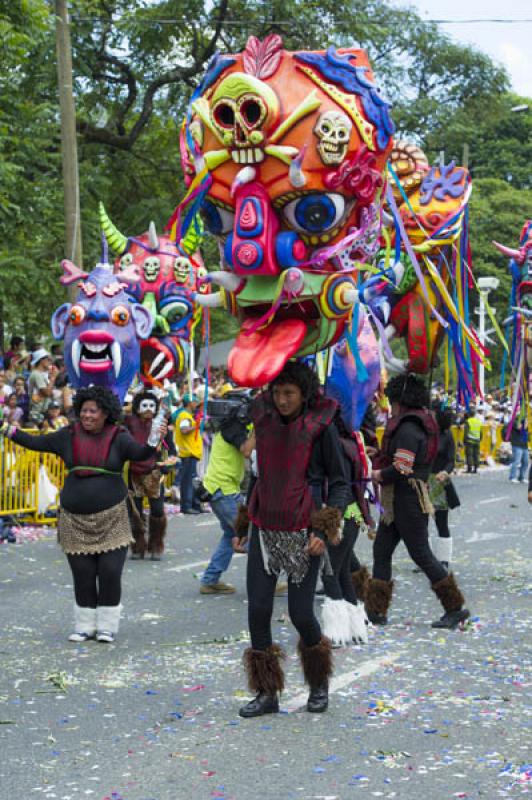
[108,622]
[443,550]
[335,621]
[359,622]
[84,624]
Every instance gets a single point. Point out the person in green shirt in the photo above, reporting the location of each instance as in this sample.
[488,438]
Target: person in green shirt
[232,444]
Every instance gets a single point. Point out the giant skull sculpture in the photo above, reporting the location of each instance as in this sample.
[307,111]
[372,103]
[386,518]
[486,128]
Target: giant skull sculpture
[289,150]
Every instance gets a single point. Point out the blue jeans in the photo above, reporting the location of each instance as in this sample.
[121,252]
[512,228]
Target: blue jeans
[188,473]
[519,463]
[225,506]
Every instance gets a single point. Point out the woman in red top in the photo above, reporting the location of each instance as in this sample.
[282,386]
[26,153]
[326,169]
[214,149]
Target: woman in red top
[93,525]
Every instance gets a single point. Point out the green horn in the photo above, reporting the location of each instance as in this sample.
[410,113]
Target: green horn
[116,240]
[192,239]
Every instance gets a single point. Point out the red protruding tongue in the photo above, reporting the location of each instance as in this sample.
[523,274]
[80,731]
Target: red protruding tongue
[258,357]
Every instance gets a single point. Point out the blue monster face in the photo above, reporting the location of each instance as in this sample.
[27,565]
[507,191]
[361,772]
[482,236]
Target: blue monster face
[101,330]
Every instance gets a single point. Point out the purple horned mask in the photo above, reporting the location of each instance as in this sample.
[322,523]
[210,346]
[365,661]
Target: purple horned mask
[101,330]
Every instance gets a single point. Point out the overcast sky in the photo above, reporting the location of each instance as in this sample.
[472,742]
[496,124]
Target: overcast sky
[508,44]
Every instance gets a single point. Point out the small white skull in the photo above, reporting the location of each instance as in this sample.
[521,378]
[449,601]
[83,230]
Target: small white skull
[333,130]
[151,268]
[181,269]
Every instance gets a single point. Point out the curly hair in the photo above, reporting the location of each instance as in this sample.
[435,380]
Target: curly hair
[104,398]
[445,418]
[302,376]
[408,390]
[145,394]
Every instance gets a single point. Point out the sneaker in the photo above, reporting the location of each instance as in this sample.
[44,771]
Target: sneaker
[80,637]
[191,511]
[217,588]
[105,636]
[514,480]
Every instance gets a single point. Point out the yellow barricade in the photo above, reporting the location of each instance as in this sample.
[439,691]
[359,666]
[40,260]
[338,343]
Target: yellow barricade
[19,481]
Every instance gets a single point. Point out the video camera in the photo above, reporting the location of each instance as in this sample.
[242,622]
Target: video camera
[234,406]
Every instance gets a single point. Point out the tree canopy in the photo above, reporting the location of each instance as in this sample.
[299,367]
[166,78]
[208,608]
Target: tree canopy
[135,67]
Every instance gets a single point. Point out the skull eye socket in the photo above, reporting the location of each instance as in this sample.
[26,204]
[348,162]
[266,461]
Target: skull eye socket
[76,315]
[251,112]
[218,221]
[315,213]
[120,315]
[224,115]
[126,260]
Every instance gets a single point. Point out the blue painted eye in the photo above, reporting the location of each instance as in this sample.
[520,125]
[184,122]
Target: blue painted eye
[315,213]
[218,221]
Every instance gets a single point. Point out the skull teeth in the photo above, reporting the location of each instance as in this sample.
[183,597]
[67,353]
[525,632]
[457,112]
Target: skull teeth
[248,155]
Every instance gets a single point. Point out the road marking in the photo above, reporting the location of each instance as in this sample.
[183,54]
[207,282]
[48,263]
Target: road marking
[341,681]
[493,500]
[183,567]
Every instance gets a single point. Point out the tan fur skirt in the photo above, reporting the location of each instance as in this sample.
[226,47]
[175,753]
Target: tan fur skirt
[94,533]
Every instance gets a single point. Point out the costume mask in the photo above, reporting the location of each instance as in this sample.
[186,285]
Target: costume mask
[146,406]
[285,152]
[102,329]
[168,284]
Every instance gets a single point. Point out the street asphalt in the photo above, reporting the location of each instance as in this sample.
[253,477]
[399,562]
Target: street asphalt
[416,714]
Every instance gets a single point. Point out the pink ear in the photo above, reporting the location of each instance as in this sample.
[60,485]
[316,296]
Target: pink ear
[71,273]
[130,274]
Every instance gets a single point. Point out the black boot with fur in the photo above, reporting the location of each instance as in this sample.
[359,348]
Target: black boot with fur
[317,664]
[266,678]
[378,599]
[360,580]
[156,534]
[452,600]
[138,529]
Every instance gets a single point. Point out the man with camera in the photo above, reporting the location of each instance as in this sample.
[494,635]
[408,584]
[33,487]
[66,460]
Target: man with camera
[232,444]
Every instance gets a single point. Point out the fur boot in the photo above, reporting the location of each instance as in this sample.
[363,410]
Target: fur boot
[317,666]
[156,534]
[448,593]
[138,529]
[107,622]
[264,671]
[443,550]
[358,623]
[360,580]
[335,621]
[378,598]
[316,662]
[84,624]
[452,600]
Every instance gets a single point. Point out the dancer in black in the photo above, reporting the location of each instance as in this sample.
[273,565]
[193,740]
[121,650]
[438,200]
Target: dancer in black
[295,443]
[442,492]
[409,447]
[93,524]
[343,617]
[146,478]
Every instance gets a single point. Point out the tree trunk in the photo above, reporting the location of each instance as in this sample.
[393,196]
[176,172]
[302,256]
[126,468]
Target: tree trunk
[69,153]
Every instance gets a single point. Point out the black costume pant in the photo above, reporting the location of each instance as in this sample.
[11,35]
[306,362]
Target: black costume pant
[339,585]
[261,591]
[412,526]
[441,518]
[156,504]
[472,450]
[98,577]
